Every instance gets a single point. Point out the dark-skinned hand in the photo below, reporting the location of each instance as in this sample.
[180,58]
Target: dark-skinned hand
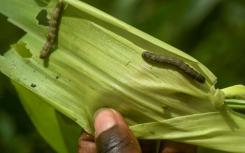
[112,135]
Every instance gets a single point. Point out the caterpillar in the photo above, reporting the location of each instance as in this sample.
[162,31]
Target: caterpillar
[181,65]
[53,30]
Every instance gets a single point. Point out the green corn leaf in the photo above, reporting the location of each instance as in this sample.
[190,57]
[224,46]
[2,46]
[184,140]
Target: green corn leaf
[97,64]
[236,92]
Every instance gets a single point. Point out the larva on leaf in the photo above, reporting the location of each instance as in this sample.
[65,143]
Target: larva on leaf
[53,30]
[181,65]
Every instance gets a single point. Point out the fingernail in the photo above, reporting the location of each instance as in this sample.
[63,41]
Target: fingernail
[104,120]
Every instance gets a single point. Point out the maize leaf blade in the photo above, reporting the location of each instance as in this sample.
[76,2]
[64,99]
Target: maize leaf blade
[98,64]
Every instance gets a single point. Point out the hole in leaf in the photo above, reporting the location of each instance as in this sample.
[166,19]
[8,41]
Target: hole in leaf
[22,50]
[42,3]
[9,34]
[42,17]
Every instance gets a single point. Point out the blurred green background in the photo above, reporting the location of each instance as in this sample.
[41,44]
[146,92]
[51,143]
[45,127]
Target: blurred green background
[213,31]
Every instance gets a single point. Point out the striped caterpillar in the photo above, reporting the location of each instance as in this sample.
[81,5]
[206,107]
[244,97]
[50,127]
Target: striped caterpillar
[148,56]
[53,30]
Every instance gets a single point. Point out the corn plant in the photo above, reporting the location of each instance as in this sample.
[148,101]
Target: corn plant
[98,63]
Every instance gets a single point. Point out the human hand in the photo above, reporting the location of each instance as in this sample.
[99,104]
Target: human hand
[112,135]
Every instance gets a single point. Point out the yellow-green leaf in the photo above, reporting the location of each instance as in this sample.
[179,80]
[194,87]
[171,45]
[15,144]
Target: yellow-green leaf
[97,64]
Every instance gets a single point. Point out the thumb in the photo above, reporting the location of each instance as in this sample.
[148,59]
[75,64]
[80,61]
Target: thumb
[112,134]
